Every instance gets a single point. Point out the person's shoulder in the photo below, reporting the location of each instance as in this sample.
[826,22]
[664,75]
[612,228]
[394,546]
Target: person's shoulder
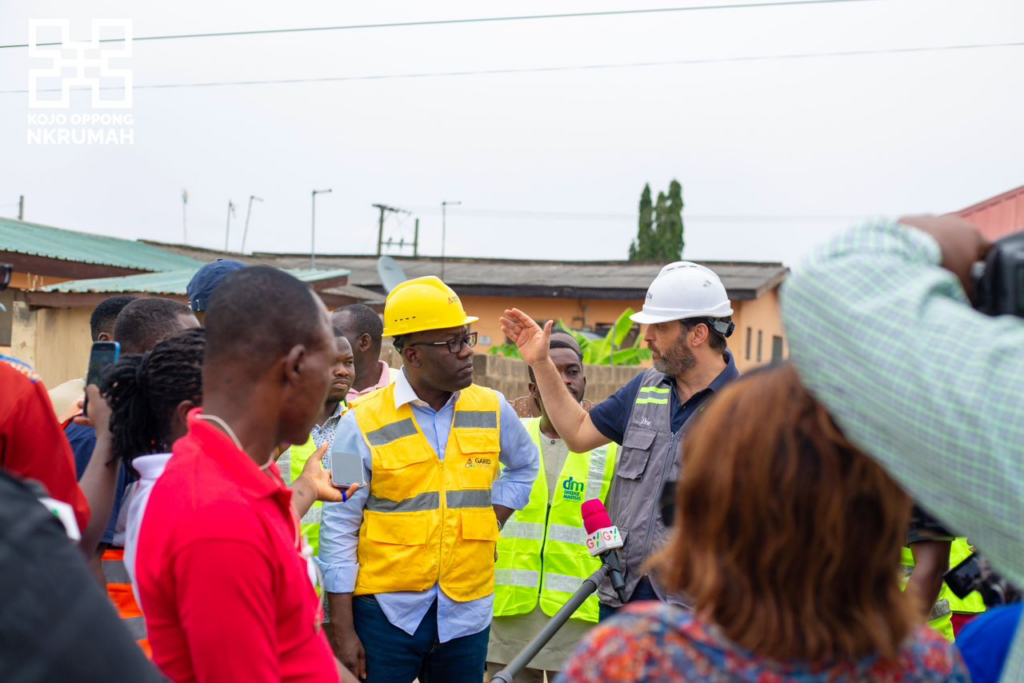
[12,368]
[927,656]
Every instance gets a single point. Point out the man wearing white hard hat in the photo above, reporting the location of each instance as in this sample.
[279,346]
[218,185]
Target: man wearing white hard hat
[688,318]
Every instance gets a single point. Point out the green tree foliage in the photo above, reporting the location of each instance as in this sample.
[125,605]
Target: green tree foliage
[660,231]
[643,247]
[607,351]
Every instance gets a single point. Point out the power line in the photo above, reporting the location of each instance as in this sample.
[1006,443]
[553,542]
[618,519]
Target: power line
[561,215]
[548,69]
[470,20]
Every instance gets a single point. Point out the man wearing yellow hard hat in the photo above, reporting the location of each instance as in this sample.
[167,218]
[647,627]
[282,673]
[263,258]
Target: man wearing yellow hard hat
[408,562]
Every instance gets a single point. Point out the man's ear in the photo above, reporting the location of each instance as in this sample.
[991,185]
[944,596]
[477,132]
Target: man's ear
[701,332]
[411,357]
[182,410]
[365,343]
[104,337]
[294,361]
[532,388]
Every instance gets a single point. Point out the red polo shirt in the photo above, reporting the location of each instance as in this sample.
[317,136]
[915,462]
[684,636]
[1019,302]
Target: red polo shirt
[226,594]
[32,444]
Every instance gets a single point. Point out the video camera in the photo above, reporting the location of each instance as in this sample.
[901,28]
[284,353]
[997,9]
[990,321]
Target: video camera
[975,574]
[999,279]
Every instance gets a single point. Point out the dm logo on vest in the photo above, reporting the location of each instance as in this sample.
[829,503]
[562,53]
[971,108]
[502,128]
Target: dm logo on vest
[573,490]
[473,462]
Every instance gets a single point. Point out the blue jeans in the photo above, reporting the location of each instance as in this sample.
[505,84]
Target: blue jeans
[393,656]
[643,591]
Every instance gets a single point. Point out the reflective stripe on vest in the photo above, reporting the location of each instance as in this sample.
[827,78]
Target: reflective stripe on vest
[428,520]
[119,590]
[542,553]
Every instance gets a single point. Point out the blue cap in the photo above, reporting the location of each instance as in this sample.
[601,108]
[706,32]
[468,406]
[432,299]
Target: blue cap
[200,287]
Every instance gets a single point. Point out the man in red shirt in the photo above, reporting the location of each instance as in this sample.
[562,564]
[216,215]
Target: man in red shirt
[32,444]
[225,588]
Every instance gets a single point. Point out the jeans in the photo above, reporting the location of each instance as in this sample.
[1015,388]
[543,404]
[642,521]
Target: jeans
[643,591]
[393,656]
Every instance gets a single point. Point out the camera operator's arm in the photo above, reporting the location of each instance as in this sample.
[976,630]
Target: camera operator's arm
[883,334]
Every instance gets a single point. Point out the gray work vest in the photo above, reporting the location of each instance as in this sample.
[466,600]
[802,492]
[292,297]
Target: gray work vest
[650,456]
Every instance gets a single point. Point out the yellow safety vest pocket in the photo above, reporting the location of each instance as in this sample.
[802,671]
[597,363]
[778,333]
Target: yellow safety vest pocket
[479,525]
[406,528]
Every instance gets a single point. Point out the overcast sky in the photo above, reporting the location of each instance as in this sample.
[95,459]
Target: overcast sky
[773,155]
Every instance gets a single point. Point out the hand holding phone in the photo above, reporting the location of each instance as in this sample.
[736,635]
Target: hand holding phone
[346,469]
[102,356]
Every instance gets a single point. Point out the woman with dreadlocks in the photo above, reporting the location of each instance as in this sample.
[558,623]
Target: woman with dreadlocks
[150,396]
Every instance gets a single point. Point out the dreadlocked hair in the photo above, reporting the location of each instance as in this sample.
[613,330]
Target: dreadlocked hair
[143,391]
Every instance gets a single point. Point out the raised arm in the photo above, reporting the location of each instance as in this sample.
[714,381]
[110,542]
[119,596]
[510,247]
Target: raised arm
[569,418]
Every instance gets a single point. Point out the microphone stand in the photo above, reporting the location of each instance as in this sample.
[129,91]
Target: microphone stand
[515,667]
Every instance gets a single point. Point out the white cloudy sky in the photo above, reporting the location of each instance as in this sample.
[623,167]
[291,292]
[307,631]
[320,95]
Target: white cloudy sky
[773,155]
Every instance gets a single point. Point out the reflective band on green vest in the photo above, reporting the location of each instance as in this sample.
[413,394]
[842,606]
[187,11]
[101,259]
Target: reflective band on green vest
[523,530]
[551,540]
[516,577]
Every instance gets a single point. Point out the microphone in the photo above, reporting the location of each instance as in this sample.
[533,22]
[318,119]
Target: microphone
[603,539]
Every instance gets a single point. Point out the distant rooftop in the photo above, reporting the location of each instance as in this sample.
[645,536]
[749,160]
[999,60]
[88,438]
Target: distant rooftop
[44,241]
[510,277]
[997,216]
[174,282]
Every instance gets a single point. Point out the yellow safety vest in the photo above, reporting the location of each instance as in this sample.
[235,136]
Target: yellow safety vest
[947,603]
[427,520]
[542,553]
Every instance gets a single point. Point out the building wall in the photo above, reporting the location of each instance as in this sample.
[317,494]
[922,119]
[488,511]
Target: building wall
[54,341]
[759,337]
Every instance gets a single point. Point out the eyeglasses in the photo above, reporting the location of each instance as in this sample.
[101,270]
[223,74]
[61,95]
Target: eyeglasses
[454,345]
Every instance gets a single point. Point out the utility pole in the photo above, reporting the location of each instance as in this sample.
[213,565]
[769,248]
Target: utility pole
[444,228]
[21,207]
[416,240]
[384,209]
[227,230]
[312,235]
[184,217]
[248,212]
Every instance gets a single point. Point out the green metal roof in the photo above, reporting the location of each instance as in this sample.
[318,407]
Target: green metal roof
[172,282]
[67,245]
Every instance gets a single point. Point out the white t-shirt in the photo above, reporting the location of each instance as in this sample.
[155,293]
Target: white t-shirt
[149,467]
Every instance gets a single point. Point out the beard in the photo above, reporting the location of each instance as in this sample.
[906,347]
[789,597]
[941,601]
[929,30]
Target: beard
[676,360]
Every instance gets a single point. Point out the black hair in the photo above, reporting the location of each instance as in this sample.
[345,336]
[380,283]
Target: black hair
[716,339]
[144,322]
[361,320]
[143,391]
[104,315]
[556,344]
[257,314]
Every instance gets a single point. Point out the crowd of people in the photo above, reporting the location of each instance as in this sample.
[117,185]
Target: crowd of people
[793,524]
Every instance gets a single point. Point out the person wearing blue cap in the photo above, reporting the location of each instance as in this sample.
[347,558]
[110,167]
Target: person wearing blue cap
[206,279]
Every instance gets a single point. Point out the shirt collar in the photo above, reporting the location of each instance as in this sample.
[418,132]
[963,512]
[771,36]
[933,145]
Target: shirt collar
[385,379]
[404,393]
[221,449]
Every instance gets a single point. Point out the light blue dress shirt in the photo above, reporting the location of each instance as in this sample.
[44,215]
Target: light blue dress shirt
[339,530]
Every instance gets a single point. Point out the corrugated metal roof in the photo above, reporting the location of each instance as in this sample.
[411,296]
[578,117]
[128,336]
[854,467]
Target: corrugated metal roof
[597,279]
[33,239]
[172,282]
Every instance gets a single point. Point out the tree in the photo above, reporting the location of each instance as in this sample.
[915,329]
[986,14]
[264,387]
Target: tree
[642,248]
[660,231]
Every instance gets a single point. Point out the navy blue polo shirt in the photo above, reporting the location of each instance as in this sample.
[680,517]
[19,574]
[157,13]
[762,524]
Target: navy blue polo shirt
[611,416]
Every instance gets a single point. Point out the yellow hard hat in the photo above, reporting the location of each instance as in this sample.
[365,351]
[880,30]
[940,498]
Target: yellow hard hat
[422,304]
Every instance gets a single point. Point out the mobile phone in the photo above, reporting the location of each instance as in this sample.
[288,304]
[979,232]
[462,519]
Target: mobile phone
[346,468]
[102,356]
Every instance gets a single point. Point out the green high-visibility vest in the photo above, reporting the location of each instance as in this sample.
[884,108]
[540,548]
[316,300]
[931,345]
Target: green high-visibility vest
[542,552]
[948,603]
[291,464]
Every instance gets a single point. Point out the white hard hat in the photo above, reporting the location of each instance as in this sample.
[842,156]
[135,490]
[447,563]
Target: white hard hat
[684,290]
